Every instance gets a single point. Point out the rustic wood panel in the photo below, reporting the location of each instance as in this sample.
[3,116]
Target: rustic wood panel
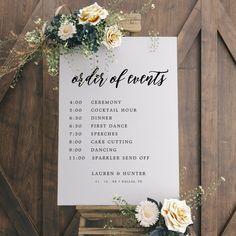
[20,146]
[189,32]
[209,112]
[190,120]
[14,208]
[231,226]
[51,224]
[20,153]
[227,30]
[227,125]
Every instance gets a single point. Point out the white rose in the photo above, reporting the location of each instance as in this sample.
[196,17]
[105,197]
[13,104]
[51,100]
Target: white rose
[147,213]
[177,215]
[92,14]
[66,31]
[112,37]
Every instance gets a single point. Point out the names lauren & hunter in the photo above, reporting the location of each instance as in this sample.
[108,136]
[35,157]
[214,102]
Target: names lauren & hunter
[118,173]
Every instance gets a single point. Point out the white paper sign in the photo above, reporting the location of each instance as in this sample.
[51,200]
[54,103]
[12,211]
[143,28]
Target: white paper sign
[118,124]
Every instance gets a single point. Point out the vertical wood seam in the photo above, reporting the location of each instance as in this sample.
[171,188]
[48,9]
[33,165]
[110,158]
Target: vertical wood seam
[50,212]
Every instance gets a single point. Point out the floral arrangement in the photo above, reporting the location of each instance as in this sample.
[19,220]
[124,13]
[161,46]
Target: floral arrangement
[88,28]
[84,30]
[171,218]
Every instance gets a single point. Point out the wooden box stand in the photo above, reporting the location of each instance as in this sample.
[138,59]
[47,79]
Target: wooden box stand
[105,220]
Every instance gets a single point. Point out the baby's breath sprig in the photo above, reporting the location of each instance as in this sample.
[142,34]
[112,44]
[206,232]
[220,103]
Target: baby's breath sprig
[154,37]
[210,190]
[182,175]
[109,224]
[114,19]
[126,210]
[53,57]
[195,197]
[113,4]
[148,5]
[28,48]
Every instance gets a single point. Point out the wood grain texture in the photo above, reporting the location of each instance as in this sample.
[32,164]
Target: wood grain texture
[190,121]
[209,113]
[189,32]
[227,30]
[14,208]
[117,231]
[20,120]
[131,22]
[227,124]
[51,224]
[231,226]
[21,153]
[72,228]
[171,16]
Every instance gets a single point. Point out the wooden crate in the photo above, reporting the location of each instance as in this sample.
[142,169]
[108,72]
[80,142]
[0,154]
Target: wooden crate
[93,221]
[94,218]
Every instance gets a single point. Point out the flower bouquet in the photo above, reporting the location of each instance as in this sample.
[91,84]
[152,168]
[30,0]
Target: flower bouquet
[173,217]
[84,30]
[89,28]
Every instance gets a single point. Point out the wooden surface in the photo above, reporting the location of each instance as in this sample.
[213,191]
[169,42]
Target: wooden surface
[132,23]
[189,32]
[51,213]
[230,228]
[14,209]
[207,111]
[226,125]
[116,231]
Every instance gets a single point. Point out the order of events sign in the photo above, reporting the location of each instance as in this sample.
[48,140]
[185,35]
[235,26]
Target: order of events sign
[118,124]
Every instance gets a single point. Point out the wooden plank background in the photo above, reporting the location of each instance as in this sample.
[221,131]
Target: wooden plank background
[207,85]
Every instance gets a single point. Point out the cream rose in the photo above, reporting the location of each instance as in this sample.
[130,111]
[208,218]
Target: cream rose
[177,215]
[66,31]
[92,14]
[112,37]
